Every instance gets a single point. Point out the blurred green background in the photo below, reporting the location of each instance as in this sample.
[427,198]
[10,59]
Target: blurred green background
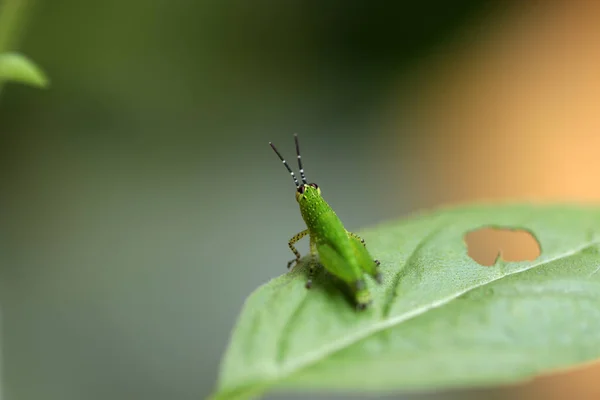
[141,203]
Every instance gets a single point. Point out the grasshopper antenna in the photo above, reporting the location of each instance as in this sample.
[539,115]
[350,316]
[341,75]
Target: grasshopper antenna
[286,165]
[299,159]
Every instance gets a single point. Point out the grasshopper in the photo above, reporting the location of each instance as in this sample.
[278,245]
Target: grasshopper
[340,252]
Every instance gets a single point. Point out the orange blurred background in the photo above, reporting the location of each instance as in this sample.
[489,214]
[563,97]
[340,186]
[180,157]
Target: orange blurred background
[513,112]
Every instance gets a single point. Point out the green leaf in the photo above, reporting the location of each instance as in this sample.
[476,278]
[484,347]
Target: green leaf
[440,319]
[18,68]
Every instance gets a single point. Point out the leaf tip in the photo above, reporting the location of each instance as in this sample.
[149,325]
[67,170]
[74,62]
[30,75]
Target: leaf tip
[15,67]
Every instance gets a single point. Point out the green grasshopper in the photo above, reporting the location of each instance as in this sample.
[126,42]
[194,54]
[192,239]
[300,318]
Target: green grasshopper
[341,253]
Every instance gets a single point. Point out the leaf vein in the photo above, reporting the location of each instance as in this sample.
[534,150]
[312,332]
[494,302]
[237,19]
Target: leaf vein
[392,291]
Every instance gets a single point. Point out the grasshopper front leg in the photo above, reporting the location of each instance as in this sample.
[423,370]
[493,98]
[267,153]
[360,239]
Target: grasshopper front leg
[313,262]
[313,253]
[293,248]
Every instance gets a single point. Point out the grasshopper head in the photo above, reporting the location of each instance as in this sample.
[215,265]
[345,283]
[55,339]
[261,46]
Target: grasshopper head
[308,191]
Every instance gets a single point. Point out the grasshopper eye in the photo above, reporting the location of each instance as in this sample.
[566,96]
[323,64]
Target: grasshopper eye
[314,185]
[301,189]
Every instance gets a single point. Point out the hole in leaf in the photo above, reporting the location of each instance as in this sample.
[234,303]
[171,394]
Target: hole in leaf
[486,245]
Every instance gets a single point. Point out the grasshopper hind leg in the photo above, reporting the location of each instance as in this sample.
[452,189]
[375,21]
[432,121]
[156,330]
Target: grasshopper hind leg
[375,272]
[312,266]
[362,296]
[378,275]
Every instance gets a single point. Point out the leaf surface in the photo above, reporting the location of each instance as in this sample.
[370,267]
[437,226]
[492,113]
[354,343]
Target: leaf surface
[439,320]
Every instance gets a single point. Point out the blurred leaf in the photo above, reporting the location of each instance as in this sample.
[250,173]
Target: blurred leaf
[439,320]
[18,68]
